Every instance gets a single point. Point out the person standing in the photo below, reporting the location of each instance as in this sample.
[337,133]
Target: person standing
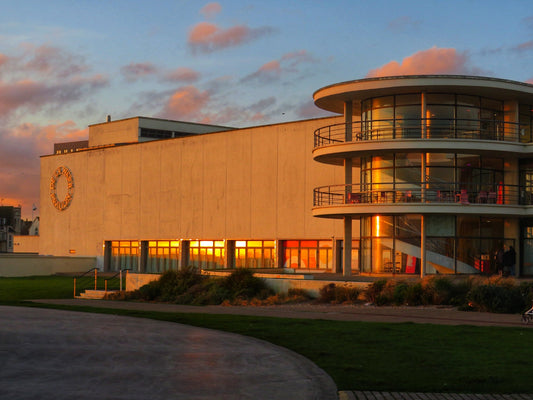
[509,261]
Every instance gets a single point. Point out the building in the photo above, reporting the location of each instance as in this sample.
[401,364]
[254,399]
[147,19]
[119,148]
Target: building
[10,225]
[417,175]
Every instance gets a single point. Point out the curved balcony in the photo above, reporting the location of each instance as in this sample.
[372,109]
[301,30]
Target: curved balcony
[339,200]
[422,128]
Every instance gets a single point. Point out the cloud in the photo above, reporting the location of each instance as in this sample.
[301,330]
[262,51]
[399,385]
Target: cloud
[43,79]
[309,110]
[186,103]
[275,69]
[20,148]
[402,23]
[526,46]
[211,9]
[30,95]
[432,61]
[530,81]
[186,75]
[205,37]
[135,71]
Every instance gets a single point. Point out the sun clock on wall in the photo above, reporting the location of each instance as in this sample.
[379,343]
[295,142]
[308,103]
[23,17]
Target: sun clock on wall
[62,174]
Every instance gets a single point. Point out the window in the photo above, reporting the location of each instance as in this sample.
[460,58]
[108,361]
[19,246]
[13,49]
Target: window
[255,254]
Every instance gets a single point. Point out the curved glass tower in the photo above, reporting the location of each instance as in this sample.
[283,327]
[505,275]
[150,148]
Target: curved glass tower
[438,172]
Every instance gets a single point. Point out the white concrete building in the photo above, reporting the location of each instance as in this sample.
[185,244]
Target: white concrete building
[418,175]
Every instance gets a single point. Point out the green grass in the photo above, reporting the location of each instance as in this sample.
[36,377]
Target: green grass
[363,355]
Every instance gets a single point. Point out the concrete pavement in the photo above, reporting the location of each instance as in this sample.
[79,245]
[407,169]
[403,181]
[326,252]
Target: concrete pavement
[54,354]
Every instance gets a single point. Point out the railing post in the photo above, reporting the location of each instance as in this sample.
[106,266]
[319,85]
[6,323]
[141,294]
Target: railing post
[95,277]
[105,285]
[74,287]
[120,285]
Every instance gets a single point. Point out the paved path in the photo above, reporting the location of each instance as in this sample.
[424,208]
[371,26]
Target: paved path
[53,354]
[433,315]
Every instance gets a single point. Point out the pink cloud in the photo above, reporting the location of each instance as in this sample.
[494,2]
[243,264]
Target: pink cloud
[186,103]
[211,9]
[20,148]
[432,61]
[275,69]
[205,37]
[182,75]
[526,46]
[134,71]
[530,81]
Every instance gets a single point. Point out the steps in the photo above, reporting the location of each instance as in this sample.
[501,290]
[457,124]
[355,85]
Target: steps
[95,294]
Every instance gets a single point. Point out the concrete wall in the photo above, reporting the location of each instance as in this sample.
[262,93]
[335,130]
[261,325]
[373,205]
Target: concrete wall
[254,183]
[14,265]
[123,131]
[278,283]
[25,244]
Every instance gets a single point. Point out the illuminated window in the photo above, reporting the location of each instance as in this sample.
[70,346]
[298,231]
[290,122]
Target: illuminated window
[308,254]
[207,254]
[255,254]
[124,255]
[163,255]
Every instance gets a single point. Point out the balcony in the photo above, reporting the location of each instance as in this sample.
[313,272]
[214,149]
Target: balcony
[355,198]
[422,128]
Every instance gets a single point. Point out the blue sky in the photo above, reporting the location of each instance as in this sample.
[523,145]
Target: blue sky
[67,64]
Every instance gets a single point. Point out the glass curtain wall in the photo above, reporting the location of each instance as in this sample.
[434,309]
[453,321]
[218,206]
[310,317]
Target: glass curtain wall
[454,245]
[446,116]
[479,178]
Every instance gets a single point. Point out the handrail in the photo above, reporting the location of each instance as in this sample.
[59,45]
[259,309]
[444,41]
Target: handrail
[422,192]
[85,281]
[84,276]
[113,278]
[422,128]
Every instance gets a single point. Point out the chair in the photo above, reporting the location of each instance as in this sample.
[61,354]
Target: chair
[463,197]
[491,198]
[482,197]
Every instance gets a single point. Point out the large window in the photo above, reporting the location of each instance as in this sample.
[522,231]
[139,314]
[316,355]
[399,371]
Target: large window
[163,255]
[446,115]
[124,255]
[207,254]
[308,254]
[462,244]
[255,254]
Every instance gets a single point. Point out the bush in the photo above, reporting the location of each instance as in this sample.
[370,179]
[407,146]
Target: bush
[338,294]
[496,299]
[374,290]
[242,284]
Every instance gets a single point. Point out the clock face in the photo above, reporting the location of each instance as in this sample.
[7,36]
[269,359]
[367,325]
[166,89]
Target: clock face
[62,182]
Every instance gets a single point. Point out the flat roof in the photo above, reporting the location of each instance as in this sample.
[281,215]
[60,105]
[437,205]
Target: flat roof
[333,97]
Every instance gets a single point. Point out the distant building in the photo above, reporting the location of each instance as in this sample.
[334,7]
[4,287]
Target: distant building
[417,175]
[10,225]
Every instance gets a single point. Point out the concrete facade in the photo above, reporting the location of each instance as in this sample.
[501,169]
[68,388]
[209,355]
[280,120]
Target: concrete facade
[253,183]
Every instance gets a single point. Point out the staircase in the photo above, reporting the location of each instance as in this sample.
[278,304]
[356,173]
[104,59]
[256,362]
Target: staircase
[91,286]
[94,294]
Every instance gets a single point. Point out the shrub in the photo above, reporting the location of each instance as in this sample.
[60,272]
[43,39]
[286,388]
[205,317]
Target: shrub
[338,294]
[244,285]
[373,292]
[415,295]
[497,299]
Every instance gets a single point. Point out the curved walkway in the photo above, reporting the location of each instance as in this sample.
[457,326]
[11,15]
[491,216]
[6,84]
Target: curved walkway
[54,354]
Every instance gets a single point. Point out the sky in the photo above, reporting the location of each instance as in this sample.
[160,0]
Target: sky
[67,64]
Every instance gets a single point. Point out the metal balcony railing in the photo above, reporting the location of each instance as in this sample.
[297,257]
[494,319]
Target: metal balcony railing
[418,192]
[423,128]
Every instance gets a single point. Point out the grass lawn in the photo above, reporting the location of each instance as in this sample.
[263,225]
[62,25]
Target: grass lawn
[361,355]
